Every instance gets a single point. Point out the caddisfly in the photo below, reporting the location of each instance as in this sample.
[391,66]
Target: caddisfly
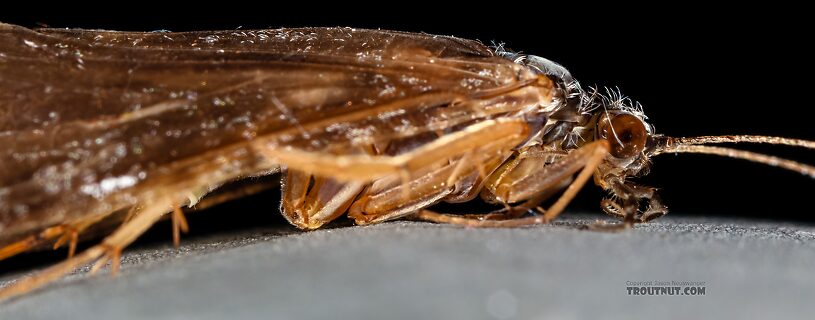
[100,126]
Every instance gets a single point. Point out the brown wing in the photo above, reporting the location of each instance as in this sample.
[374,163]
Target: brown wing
[89,120]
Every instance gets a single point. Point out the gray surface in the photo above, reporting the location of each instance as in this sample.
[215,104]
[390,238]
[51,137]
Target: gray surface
[411,270]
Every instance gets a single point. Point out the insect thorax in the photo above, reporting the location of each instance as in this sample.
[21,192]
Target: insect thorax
[575,112]
[566,124]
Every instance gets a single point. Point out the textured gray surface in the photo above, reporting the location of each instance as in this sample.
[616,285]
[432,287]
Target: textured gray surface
[411,270]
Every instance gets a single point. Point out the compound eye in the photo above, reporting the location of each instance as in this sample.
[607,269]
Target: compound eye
[625,133]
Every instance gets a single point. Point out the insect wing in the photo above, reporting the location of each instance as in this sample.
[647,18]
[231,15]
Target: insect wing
[94,121]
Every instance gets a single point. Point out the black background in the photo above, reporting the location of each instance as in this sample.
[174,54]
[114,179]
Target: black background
[697,71]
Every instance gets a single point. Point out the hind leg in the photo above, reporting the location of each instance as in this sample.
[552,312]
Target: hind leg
[108,250]
[64,233]
[499,134]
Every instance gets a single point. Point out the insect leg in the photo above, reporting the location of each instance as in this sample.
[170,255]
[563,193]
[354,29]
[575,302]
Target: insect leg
[457,179]
[367,168]
[627,206]
[587,158]
[108,250]
[469,187]
[70,235]
[308,202]
[530,172]
[235,190]
[408,181]
[502,135]
[383,200]
[31,242]
[529,176]
[67,232]
[179,225]
[460,165]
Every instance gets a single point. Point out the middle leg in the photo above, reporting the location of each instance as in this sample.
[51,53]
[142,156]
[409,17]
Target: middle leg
[587,158]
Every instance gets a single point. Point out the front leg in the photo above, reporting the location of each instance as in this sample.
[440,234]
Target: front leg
[628,197]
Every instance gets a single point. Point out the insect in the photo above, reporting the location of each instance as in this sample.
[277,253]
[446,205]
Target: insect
[123,128]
